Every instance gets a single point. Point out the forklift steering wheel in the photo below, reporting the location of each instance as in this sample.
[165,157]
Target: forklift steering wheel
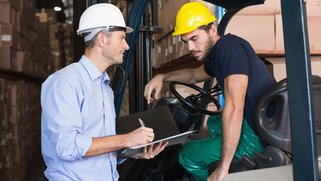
[199,101]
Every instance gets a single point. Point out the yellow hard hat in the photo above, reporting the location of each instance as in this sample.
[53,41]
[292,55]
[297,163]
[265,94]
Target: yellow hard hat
[191,16]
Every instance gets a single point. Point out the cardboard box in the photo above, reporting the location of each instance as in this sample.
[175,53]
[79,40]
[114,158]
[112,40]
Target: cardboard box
[14,115]
[9,36]
[20,60]
[167,49]
[269,7]
[14,3]
[2,91]
[166,15]
[8,14]
[27,16]
[7,57]
[52,16]
[313,8]
[43,17]
[54,44]
[314,27]
[53,29]
[13,93]
[279,67]
[258,30]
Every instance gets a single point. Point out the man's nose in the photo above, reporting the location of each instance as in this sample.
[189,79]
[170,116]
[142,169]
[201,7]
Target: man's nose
[126,46]
[190,46]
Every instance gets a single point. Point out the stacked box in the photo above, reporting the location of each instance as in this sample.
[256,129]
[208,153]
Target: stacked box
[168,49]
[43,17]
[9,37]
[61,44]
[8,13]
[20,138]
[23,39]
[24,48]
[278,67]
[314,27]
[67,42]
[8,57]
[262,26]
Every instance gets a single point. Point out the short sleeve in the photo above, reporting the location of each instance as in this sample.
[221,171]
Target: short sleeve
[232,57]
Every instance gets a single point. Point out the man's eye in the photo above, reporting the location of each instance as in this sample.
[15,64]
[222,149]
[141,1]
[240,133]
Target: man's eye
[194,39]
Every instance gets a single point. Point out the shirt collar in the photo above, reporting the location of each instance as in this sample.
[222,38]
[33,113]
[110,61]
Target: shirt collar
[93,71]
[212,53]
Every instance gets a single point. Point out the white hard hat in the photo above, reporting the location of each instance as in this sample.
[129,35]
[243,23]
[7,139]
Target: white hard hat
[101,16]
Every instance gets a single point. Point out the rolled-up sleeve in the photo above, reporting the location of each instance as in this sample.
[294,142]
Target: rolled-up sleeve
[72,146]
[63,121]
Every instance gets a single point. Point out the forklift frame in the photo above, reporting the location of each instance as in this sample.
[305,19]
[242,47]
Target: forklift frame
[298,66]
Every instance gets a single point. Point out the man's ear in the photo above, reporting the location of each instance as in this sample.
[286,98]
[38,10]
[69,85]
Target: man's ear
[213,30]
[214,33]
[101,39]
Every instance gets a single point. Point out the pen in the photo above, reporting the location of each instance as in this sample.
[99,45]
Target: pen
[141,122]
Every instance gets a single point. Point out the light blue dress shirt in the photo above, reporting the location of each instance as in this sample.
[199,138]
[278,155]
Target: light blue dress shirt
[77,105]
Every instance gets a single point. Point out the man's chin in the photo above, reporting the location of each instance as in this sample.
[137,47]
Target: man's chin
[117,62]
[198,58]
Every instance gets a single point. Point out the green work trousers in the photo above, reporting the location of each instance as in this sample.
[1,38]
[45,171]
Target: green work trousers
[196,155]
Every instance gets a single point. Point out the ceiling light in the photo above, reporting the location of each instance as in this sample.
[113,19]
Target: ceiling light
[57,8]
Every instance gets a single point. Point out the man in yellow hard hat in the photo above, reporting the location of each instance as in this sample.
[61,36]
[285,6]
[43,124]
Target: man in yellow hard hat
[78,136]
[243,77]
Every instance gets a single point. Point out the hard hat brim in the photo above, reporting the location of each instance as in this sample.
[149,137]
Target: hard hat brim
[129,29]
[126,29]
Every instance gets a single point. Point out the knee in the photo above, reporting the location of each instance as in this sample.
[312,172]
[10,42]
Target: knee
[191,165]
[187,156]
[183,157]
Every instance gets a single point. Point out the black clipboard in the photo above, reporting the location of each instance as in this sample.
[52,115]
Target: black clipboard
[162,122]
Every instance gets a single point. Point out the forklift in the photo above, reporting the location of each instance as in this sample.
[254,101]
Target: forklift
[304,158]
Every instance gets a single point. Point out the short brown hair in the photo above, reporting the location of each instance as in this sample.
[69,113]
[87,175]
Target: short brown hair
[91,43]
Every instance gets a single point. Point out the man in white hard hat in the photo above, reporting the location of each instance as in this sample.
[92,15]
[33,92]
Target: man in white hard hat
[78,135]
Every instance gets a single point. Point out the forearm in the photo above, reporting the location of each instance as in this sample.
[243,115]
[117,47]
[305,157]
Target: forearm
[189,76]
[107,144]
[231,125]
[179,76]
[102,145]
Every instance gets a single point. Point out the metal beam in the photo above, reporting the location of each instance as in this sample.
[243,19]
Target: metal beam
[298,66]
[134,20]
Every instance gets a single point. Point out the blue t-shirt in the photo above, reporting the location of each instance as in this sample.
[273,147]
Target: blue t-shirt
[234,55]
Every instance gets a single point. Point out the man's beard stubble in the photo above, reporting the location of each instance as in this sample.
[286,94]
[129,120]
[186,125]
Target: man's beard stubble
[207,49]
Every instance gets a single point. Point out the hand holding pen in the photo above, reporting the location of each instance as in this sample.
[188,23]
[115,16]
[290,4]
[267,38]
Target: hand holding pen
[152,150]
[142,135]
